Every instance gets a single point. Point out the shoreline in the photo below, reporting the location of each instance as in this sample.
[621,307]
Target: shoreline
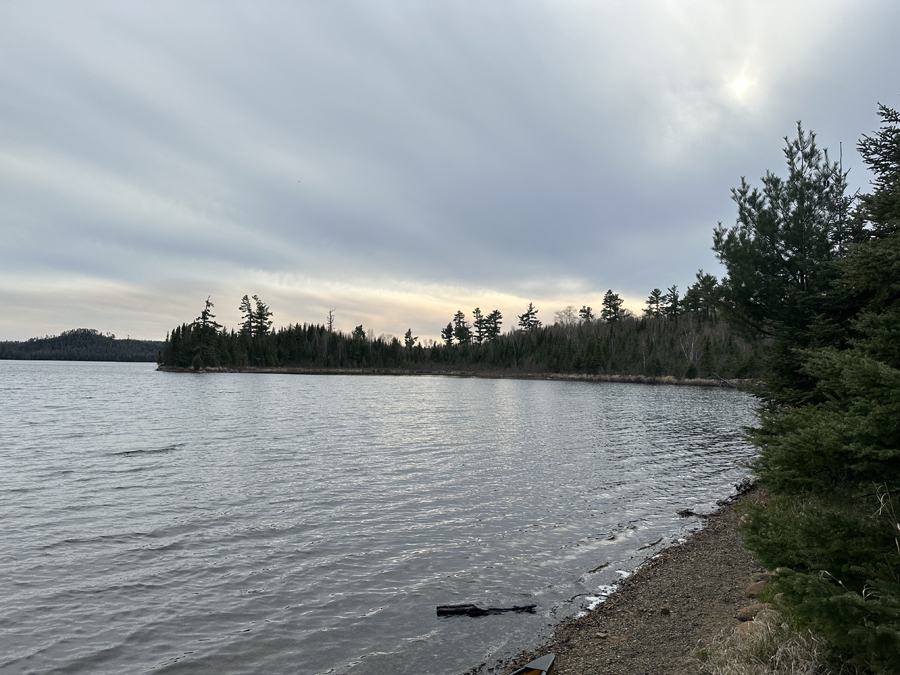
[485,374]
[657,617]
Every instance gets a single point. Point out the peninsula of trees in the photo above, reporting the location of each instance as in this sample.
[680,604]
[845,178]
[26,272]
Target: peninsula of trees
[82,344]
[676,336]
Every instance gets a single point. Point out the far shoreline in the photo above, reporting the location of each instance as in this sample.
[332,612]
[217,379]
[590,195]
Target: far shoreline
[743,385]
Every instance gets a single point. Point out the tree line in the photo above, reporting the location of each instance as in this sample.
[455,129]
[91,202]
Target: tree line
[678,337]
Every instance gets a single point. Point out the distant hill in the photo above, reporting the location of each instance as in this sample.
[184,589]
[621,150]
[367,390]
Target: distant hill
[81,344]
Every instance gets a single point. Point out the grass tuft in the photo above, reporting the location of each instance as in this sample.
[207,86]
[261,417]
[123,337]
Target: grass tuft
[778,649]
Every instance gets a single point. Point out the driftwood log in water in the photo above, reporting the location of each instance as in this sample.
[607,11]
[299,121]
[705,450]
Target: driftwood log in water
[474,610]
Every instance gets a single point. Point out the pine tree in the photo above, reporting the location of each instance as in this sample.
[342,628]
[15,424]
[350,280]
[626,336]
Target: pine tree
[461,329]
[479,323]
[702,296]
[206,328]
[492,325]
[654,303]
[529,321]
[672,302]
[612,307]
[247,316]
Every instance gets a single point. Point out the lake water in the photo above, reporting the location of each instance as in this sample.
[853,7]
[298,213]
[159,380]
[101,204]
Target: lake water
[227,523]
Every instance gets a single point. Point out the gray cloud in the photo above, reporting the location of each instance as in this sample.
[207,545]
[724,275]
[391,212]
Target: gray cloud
[332,151]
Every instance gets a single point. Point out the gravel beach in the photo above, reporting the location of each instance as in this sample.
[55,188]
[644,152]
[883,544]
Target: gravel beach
[655,621]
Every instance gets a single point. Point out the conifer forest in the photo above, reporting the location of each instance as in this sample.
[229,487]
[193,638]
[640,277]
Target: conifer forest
[682,337]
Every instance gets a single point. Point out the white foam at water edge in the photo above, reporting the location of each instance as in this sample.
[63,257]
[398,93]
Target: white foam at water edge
[594,601]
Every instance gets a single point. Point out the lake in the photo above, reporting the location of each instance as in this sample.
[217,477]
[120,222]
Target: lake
[238,523]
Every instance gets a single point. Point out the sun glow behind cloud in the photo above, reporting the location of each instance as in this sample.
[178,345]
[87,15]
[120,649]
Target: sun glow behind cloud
[740,85]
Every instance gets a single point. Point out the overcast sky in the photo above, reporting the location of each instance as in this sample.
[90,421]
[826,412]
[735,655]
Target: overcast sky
[398,161]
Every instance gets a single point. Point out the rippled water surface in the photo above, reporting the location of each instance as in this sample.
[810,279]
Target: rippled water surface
[226,523]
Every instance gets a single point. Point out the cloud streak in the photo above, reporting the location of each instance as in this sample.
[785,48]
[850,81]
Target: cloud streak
[398,160]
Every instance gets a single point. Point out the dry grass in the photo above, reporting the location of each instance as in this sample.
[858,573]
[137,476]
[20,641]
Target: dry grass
[777,649]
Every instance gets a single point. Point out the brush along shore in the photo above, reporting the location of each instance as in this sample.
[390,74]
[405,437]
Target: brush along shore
[488,374]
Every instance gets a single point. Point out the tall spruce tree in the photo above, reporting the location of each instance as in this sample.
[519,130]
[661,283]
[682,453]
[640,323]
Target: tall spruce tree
[780,256]
[262,318]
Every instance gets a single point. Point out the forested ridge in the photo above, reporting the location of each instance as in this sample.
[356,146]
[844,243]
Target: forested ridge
[81,344]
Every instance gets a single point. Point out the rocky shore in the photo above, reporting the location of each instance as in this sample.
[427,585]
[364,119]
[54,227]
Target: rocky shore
[660,615]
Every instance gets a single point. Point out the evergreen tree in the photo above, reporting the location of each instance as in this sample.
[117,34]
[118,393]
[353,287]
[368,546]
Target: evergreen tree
[479,323]
[529,321]
[612,307]
[256,317]
[654,303]
[672,302]
[246,310]
[262,318]
[833,460]
[409,340]
[702,296]
[206,328]
[780,258]
[881,209]
[586,313]
[447,334]
[461,329]
[492,324]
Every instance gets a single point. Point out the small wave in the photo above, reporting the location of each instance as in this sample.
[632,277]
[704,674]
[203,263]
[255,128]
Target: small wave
[147,451]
